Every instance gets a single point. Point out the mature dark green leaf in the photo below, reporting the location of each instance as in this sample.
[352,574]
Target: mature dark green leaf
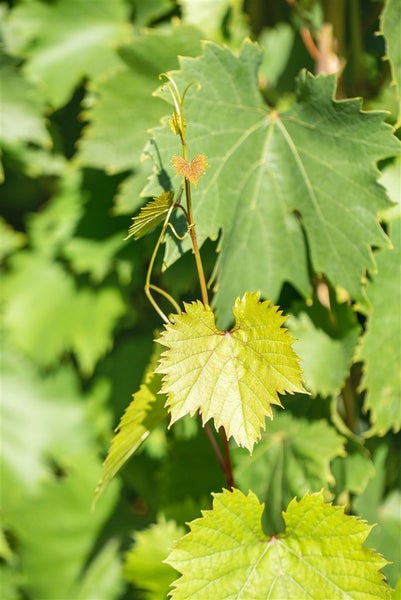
[276,175]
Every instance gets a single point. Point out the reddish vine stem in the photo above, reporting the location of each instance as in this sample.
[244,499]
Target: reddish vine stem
[227,456]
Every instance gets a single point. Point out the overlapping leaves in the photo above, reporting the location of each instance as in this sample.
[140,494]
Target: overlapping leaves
[274,175]
[232,377]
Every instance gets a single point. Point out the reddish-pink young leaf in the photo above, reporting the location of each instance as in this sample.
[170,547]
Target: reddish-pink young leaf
[191,170]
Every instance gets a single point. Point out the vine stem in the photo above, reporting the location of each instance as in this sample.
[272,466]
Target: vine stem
[178,100]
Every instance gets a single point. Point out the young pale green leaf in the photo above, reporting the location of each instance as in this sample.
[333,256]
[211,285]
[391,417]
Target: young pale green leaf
[380,349]
[151,215]
[144,566]
[230,376]
[320,554]
[278,178]
[292,458]
[143,414]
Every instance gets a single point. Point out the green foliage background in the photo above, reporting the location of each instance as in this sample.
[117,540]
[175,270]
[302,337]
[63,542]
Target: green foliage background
[77,81]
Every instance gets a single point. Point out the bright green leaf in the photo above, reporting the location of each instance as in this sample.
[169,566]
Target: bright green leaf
[292,458]
[381,348]
[66,41]
[320,554]
[143,414]
[151,215]
[234,376]
[144,565]
[275,177]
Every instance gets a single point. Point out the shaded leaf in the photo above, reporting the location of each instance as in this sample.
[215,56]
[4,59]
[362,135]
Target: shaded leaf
[125,98]
[326,350]
[292,458]
[45,325]
[320,554]
[380,347]
[98,258]
[144,566]
[384,510]
[64,43]
[231,376]
[22,114]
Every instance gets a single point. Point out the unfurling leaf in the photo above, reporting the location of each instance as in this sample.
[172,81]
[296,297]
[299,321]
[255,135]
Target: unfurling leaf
[143,414]
[230,376]
[151,215]
[320,554]
[191,170]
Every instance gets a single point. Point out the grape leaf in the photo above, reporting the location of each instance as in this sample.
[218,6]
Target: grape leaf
[231,376]
[124,97]
[88,316]
[318,347]
[22,110]
[292,458]
[143,563]
[389,22]
[274,175]
[380,347]
[143,414]
[96,257]
[66,41]
[320,554]
[192,170]
[48,469]
[385,510]
[151,215]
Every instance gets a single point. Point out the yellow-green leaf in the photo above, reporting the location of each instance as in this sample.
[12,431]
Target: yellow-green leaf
[232,376]
[320,554]
[151,215]
[143,414]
